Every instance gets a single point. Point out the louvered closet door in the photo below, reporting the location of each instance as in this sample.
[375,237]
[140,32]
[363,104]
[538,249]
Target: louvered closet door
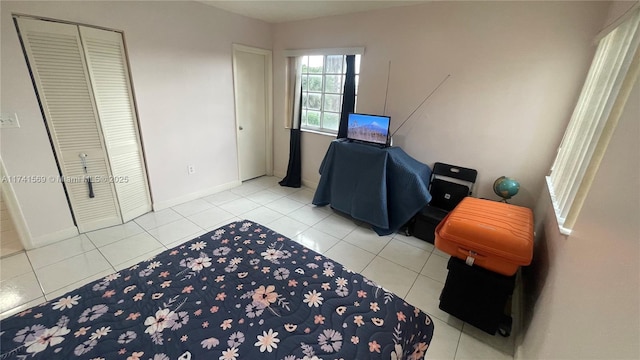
[109,75]
[55,56]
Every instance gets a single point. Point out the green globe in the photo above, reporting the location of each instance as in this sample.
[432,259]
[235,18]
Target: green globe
[505,187]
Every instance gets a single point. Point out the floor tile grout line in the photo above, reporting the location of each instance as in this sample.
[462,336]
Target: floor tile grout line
[75,282]
[455,354]
[412,285]
[109,262]
[57,243]
[399,238]
[287,212]
[374,255]
[35,273]
[33,269]
[369,263]
[155,251]
[288,215]
[222,203]
[155,227]
[65,259]
[113,266]
[124,238]
[95,247]
[280,196]
[184,218]
[341,238]
[356,245]
[304,206]
[16,254]
[9,311]
[199,211]
[332,246]
[419,272]
[314,224]
[4,256]
[425,263]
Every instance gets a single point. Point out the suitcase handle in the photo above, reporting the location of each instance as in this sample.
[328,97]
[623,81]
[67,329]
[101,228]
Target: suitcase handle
[471,253]
[470,256]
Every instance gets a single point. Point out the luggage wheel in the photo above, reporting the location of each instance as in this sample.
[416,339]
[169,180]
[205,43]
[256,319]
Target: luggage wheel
[504,328]
[504,332]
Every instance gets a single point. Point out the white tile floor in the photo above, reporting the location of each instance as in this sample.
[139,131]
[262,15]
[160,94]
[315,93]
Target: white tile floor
[410,267]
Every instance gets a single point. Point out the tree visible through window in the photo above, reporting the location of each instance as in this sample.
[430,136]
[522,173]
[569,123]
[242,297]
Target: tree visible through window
[322,87]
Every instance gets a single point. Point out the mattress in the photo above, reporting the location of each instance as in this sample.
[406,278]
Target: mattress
[241,291]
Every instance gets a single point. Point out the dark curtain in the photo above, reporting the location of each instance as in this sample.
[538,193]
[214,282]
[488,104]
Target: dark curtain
[349,96]
[294,169]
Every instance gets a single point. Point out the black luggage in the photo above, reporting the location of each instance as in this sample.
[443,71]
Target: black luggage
[477,296]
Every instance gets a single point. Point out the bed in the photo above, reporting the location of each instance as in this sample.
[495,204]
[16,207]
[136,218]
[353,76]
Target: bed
[241,291]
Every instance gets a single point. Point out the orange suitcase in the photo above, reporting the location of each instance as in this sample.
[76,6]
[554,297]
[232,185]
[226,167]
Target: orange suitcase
[493,235]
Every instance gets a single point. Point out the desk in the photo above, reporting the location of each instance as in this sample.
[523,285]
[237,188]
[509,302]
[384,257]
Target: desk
[384,187]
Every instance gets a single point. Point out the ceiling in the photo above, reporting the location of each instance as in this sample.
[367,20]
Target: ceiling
[294,10]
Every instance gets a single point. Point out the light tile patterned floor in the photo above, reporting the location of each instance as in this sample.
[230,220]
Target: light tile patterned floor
[410,267]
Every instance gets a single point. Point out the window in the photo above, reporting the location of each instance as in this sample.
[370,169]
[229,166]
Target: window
[604,94]
[322,86]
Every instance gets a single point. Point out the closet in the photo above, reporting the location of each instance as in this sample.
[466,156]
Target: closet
[81,78]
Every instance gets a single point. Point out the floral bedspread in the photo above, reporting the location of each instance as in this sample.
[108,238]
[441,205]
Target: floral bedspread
[242,291]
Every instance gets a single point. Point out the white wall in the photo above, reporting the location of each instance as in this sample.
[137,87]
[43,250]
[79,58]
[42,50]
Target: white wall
[516,71]
[180,56]
[617,10]
[584,290]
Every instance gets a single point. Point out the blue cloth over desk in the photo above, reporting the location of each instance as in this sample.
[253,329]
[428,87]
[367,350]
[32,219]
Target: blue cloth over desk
[384,187]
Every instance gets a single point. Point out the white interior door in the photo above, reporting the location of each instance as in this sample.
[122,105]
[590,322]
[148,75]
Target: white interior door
[54,51]
[252,85]
[108,70]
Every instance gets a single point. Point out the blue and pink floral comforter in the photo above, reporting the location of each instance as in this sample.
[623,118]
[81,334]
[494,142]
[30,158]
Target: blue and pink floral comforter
[242,291]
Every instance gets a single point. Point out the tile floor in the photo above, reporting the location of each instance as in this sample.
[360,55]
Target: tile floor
[408,266]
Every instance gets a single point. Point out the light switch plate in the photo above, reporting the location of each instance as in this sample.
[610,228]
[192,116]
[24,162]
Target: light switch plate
[9,121]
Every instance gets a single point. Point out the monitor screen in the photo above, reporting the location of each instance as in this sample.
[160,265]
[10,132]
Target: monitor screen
[368,128]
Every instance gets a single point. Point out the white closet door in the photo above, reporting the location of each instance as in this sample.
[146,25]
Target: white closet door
[109,75]
[55,56]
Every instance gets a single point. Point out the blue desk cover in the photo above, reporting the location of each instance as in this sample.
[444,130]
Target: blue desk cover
[384,187]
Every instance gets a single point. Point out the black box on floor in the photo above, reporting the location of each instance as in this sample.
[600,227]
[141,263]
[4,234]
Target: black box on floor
[425,222]
[476,295]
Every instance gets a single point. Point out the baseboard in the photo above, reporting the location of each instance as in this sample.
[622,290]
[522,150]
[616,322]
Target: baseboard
[43,240]
[279,174]
[15,211]
[160,205]
[310,184]
[306,182]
